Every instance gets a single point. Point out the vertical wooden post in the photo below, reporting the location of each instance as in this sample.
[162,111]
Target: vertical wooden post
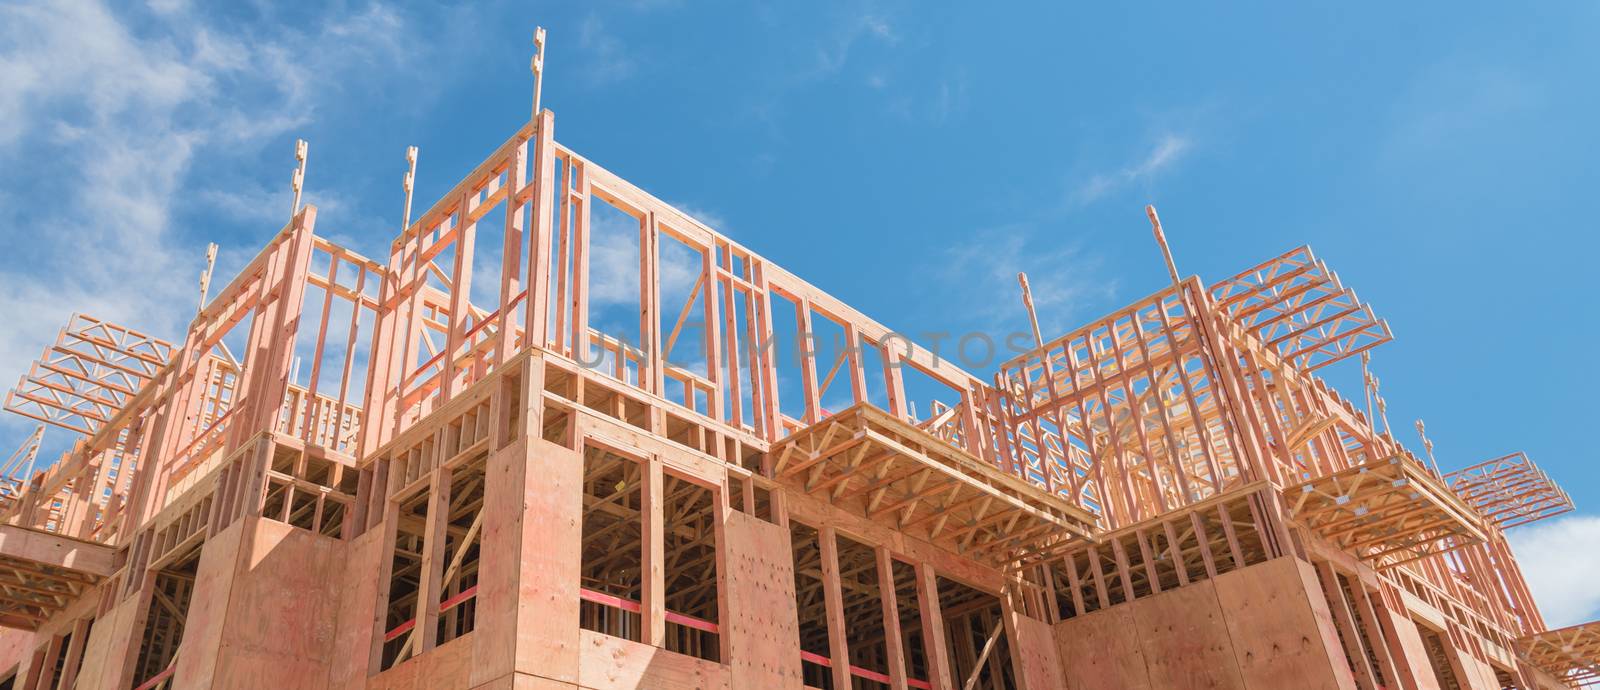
[466,232]
[652,370]
[807,349]
[893,640]
[433,558]
[838,645]
[653,606]
[52,654]
[537,308]
[934,647]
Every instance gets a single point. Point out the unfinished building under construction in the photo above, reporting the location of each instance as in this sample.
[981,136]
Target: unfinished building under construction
[458,467]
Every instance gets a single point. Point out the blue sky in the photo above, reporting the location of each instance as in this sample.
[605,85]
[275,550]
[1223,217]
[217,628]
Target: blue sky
[909,158]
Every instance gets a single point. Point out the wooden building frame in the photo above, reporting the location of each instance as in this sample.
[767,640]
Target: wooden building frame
[484,464]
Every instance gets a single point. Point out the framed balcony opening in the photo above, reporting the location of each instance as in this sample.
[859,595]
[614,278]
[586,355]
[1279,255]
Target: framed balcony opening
[56,663]
[611,572]
[172,587]
[1505,678]
[810,607]
[976,637]
[311,493]
[689,546]
[59,646]
[908,608]
[458,603]
[1433,642]
[405,579]
[865,630]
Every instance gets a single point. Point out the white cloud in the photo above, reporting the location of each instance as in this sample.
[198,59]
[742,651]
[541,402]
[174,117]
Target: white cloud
[1166,153]
[1064,279]
[109,109]
[706,216]
[1559,560]
[606,59]
[834,49]
[614,261]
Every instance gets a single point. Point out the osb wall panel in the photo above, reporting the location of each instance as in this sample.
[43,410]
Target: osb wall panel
[1101,650]
[1477,674]
[1255,628]
[446,667]
[106,657]
[1039,665]
[358,608]
[1408,651]
[1185,640]
[282,609]
[762,631]
[208,608]
[1280,637]
[15,645]
[612,662]
[528,576]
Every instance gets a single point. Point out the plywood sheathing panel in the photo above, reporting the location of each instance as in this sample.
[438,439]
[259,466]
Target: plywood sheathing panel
[1185,640]
[208,607]
[1408,643]
[1281,629]
[446,667]
[762,629]
[1101,650]
[358,608]
[281,610]
[1255,628]
[612,662]
[1037,663]
[528,575]
[108,660]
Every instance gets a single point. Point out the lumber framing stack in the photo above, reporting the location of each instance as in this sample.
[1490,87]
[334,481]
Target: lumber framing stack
[481,463]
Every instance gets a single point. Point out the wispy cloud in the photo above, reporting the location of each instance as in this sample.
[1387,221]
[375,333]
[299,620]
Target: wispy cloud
[1168,150]
[706,216]
[980,276]
[111,108]
[606,59]
[614,261]
[1561,576]
[833,50]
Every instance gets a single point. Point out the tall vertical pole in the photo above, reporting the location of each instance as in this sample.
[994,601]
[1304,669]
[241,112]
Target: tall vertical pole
[1427,446]
[1368,385]
[1027,303]
[205,276]
[301,148]
[1161,239]
[538,67]
[409,182]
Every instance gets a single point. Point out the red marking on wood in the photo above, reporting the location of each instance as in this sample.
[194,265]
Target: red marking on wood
[616,602]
